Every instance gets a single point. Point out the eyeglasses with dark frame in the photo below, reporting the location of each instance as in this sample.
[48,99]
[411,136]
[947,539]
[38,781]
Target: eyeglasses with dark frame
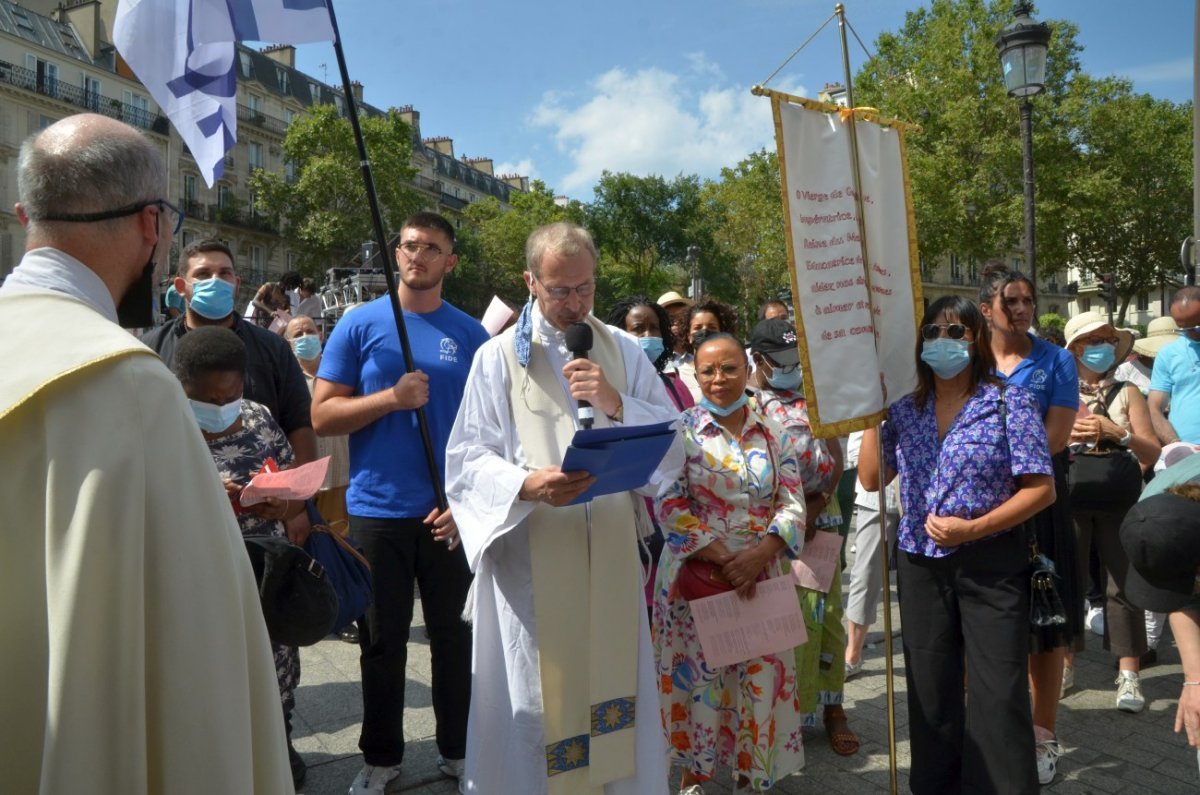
[120,212]
[560,293]
[1114,341]
[955,331]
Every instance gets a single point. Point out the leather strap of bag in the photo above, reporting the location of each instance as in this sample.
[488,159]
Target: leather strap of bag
[1030,536]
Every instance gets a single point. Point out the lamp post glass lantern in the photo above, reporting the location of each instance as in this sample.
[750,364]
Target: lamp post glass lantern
[1022,45]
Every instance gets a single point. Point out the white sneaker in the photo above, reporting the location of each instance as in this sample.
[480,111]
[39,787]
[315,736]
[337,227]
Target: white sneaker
[372,779]
[1048,750]
[1129,692]
[1095,620]
[454,768]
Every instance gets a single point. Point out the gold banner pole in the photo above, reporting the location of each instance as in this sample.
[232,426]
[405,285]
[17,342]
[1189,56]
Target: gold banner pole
[840,11]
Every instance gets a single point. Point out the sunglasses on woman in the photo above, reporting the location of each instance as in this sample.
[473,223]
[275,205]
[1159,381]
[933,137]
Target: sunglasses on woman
[955,331]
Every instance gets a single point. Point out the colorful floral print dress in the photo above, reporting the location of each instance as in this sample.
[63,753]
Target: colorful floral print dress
[746,716]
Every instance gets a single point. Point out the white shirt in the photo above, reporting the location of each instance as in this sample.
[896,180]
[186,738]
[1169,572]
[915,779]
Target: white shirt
[50,270]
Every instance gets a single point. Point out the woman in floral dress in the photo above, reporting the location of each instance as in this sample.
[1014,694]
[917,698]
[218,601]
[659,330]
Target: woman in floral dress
[241,435]
[736,505]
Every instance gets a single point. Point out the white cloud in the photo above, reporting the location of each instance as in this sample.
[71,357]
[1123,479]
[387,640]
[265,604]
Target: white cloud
[656,122]
[523,167]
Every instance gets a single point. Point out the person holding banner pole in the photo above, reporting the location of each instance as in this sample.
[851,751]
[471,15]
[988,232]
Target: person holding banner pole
[973,464]
[1008,302]
[738,504]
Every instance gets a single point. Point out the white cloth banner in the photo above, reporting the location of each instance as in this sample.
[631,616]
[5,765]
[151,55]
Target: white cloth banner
[856,326]
[184,52]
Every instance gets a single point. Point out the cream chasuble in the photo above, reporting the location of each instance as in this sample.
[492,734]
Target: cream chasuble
[588,667]
[137,659]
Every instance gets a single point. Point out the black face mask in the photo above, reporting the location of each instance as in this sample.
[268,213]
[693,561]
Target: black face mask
[700,336]
[136,309]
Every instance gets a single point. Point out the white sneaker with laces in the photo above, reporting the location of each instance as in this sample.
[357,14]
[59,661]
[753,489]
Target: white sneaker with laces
[1095,620]
[1048,750]
[1129,692]
[373,779]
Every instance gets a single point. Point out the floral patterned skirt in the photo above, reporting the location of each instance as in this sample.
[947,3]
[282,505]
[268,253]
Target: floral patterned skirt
[746,716]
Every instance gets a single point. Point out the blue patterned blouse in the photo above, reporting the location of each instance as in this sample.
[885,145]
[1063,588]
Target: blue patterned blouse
[973,470]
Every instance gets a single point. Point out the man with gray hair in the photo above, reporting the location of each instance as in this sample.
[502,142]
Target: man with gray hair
[564,697]
[144,664]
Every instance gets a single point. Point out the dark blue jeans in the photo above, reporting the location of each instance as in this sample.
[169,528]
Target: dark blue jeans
[403,553]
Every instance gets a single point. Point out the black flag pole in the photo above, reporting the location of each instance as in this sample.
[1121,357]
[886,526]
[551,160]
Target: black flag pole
[389,275]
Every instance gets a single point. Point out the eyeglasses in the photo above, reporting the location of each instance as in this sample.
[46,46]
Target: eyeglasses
[1191,331]
[121,212]
[561,293]
[727,370]
[779,368]
[955,331]
[1101,341]
[414,249]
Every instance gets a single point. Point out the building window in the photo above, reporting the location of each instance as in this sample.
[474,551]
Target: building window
[256,155]
[247,64]
[1143,302]
[91,92]
[254,103]
[189,187]
[1085,304]
[314,88]
[137,109]
[45,73]
[257,269]
[289,116]
[340,103]
[289,171]
[955,269]
[285,79]
[224,197]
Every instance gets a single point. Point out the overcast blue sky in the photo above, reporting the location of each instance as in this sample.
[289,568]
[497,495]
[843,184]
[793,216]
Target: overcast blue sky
[561,90]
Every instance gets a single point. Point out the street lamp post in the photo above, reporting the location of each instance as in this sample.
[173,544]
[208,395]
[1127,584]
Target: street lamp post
[693,262]
[1022,46]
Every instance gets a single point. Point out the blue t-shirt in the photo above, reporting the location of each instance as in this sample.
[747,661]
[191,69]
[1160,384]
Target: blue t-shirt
[1177,372]
[1049,373]
[389,478]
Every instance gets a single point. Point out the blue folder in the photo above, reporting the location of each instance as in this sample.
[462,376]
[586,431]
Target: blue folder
[620,458]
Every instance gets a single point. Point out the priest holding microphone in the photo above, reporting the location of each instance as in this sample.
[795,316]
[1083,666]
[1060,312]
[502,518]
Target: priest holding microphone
[564,698]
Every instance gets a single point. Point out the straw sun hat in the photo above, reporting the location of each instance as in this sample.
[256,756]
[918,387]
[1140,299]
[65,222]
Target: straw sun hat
[1086,322]
[1161,332]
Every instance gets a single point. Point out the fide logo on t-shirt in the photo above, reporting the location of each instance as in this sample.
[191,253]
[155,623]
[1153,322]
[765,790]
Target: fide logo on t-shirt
[1038,380]
[448,350]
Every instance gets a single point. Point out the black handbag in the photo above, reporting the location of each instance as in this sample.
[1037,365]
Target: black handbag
[298,600]
[1046,609]
[1107,478]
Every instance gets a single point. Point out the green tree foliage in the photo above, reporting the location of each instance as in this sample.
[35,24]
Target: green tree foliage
[324,212]
[1132,198]
[941,71]
[491,247]
[745,210]
[643,227]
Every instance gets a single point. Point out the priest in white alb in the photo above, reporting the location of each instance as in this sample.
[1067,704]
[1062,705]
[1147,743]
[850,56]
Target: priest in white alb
[563,699]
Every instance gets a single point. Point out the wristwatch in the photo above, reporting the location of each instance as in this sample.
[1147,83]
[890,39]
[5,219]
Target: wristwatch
[619,414]
[1124,440]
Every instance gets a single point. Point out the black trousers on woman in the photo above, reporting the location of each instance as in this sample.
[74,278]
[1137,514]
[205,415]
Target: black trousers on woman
[965,620]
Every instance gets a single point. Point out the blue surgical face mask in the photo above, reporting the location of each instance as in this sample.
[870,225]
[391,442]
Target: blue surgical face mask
[213,418]
[945,356]
[652,347]
[307,347]
[212,298]
[1099,358]
[723,411]
[790,380]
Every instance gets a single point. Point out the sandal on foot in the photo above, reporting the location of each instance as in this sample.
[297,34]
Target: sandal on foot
[843,741]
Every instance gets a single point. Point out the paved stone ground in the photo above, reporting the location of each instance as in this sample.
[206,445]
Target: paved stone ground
[1106,751]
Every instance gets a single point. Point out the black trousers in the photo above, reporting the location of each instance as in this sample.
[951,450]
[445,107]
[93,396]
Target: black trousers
[966,617]
[403,552]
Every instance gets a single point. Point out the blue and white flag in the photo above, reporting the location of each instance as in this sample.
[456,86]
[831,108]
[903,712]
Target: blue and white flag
[183,52]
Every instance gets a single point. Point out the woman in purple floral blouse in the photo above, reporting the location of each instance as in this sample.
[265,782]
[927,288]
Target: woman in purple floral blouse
[973,465]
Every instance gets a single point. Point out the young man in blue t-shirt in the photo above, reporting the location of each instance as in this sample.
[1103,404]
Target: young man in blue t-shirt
[362,389]
[1176,376]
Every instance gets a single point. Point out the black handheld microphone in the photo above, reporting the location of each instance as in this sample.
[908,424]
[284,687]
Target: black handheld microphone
[579,341]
